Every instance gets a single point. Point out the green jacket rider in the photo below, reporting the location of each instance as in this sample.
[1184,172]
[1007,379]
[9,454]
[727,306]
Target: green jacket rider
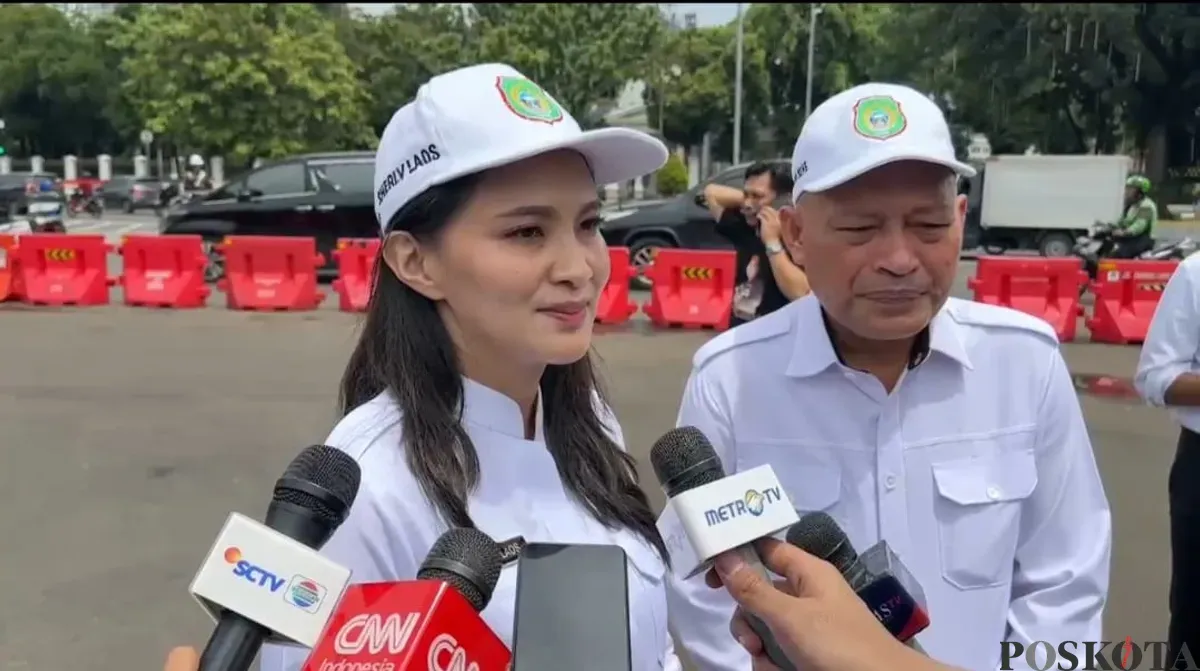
[1135,230]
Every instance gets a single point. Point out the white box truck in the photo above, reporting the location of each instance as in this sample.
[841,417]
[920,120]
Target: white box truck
[1042,203]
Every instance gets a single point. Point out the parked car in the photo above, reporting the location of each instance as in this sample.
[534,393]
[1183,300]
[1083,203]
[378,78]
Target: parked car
[129,194]
[680,222]
[320,196]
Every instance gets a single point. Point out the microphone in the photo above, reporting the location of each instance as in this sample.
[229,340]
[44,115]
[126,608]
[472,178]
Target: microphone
[718,514]
[877,576]
[553,582]
[431,623]
[268,582]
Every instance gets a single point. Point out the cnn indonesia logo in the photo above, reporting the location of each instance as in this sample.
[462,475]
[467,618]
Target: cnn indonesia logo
[1096,656]
[376,635]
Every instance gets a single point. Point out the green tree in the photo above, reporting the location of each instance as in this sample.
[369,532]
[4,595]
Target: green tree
[672,178]
[395,53]
[690,91]
[244,81]
[583,54]
[53,85]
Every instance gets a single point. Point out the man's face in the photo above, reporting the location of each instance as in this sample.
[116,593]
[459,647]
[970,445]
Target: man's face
[881,251]
[757,193]
[1131,193]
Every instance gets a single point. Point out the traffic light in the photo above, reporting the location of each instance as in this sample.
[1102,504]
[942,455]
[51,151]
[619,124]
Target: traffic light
[2,152]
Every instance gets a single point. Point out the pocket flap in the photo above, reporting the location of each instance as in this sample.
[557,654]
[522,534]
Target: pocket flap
[1007,477]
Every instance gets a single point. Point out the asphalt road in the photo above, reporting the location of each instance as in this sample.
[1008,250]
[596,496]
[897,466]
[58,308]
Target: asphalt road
[128,435]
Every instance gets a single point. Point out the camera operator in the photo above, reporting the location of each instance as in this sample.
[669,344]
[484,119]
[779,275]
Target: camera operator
[767,278]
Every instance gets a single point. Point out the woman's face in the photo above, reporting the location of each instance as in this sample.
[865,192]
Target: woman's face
[518,271]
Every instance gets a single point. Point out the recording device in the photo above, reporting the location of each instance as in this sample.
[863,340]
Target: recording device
[268,582]
[708,514]
[572,604]
[431,623]
[877,576]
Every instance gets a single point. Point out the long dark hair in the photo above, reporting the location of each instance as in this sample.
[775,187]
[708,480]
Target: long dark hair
[405,348]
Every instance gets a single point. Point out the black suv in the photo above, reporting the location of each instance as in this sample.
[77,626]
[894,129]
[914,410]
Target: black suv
[320,196]
[678,222]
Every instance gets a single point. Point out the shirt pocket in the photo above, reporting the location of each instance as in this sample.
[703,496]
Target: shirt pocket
[811,476]
[978,511]
[647,601]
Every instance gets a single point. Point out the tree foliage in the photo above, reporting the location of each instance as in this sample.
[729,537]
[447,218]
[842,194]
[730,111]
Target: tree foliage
[264,80]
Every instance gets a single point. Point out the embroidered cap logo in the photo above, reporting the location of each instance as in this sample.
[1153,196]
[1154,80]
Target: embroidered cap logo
[528,101]
[879,118]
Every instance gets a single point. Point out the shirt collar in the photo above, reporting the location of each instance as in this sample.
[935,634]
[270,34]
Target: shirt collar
[487,408]
[813,348]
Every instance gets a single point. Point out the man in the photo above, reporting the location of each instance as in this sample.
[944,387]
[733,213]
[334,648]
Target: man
[1135,230]
[817,620]
[949,428]
[767,279]
[1168,375]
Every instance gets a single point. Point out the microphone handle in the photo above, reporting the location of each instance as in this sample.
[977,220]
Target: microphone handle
[912,643]
[770,645]
[234,644]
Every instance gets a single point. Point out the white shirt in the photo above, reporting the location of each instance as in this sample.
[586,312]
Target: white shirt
[977,470]
[1172,345]
[392,526]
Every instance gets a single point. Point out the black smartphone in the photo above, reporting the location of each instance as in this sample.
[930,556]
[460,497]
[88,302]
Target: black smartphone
[572,609]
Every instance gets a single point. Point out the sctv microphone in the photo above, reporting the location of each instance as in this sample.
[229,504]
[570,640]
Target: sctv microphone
[717,514]
[877,576]
[431,623]
[268,582]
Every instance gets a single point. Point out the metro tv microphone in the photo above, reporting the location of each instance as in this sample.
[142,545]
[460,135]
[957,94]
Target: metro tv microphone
[268,582]
[572,604]
[431,623]
[877,576]
[718,514]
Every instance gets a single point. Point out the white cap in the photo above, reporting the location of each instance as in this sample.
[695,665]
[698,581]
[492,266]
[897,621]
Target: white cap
[484,116]
[866,127]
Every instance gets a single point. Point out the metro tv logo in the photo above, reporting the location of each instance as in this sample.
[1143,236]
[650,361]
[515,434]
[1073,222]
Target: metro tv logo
[753,502]
[252,573]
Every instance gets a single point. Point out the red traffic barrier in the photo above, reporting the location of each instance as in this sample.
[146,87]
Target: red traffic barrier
[10,275]
[614,305]
[692,288]
[270,273]
[164,271]
[1046,288]
[1127,294]
[355,259]
[61,269]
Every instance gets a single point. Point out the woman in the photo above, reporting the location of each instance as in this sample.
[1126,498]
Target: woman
[471,398]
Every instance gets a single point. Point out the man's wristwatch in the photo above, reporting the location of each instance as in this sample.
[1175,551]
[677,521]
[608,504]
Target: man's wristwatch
[773,248]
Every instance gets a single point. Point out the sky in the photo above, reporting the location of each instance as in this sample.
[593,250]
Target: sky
[707,14]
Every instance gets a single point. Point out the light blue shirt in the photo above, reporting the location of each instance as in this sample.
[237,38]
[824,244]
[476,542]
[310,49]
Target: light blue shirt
[977,470]
[392,525]
[1172,345]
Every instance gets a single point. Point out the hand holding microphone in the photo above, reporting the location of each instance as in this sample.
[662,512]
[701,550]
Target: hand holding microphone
[817,620]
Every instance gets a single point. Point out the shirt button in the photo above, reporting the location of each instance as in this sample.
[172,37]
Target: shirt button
[993,493]
[890,482]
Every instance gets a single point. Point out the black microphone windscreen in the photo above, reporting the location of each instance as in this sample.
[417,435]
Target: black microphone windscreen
[819,535]
[323,480]
[469,561]
[684,459]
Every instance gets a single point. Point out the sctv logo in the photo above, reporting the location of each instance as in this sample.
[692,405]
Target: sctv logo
[255,574]
[447,655]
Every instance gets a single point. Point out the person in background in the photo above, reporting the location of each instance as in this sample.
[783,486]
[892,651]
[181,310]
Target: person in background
[949,428]
[1168,375]
[1135,230]
[767,277]
[195,177]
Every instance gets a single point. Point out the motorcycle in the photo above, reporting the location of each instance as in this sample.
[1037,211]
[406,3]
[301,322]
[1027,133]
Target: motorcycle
[1101,240]
[44,216]
[79,202]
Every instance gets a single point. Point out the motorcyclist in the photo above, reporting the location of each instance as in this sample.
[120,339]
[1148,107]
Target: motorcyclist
[1134,234]
[195,178]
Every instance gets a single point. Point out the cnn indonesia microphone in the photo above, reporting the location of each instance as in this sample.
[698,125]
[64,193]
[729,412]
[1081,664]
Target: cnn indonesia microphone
[877,576]
[431,623]
[717,514]
[268,583]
